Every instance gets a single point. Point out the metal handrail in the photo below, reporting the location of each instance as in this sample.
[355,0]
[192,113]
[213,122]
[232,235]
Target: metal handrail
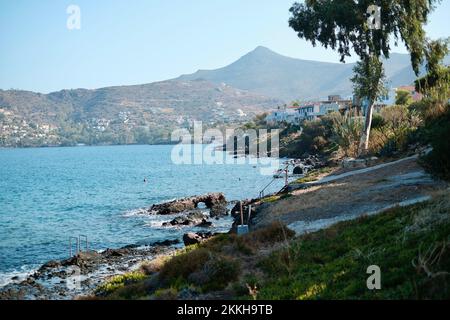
[85,238]
[261,193]
[77,241]
[286,170]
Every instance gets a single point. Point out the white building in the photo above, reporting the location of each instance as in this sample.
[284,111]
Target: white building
[316,110]
[284,114]
[309,110]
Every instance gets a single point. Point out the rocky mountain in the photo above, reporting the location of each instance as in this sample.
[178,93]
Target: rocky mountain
[273,75]
[126,114]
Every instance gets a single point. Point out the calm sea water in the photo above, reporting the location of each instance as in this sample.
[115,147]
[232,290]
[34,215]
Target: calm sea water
[50,194]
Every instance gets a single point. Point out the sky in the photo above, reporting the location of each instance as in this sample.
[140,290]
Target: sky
[124,42]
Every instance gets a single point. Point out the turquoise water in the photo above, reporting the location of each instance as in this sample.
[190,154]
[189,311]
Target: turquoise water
[50,194]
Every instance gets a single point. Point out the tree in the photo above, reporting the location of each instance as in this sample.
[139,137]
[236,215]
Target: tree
[368,81]
[435,85]
[403,98]
[344,26]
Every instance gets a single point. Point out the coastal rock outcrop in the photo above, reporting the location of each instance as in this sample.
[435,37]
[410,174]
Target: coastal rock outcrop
[195,238]
[307,163]
[192,219]
[49,282]
[215,202]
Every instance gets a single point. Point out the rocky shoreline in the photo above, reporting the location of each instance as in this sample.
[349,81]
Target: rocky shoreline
[81,274]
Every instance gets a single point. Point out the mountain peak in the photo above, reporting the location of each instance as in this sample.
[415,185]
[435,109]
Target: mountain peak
[262,50]
[275,75]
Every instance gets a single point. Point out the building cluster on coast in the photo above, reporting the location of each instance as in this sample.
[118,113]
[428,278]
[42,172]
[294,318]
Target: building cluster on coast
[311,110]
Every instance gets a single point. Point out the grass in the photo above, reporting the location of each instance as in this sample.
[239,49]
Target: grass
[411,245]
[270,199]
[332,264]
[314,175]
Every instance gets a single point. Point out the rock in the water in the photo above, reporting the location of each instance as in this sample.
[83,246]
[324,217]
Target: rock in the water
[216,202]
[166,243]
[50,265]
[204,224]
[83,260]
[191,219]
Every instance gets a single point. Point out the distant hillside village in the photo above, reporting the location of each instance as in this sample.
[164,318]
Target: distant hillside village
[18,130]
[311,110]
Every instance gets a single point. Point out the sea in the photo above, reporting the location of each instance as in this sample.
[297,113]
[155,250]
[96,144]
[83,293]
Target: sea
[48,195]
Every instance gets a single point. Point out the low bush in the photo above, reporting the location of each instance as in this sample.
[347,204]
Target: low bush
[181,266]
[165,294]
[216,273]
[314,139]
[347,131]
[118,282]
[395,131]
[437,133]
[273,233]
[378,121]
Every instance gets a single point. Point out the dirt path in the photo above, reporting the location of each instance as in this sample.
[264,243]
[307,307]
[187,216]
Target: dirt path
[351,194]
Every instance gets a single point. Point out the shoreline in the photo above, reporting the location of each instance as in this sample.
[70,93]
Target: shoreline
[57,280]
[88,146]
[47,280]
[52,279]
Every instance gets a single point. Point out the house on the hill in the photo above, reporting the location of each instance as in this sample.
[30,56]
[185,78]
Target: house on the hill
[314,110]
[309,110]
[284,114]
[389,99]
[384,101]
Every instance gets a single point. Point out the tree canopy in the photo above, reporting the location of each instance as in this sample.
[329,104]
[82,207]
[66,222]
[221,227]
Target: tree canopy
[369,78]
[342,25]
[436,82]
[403,98]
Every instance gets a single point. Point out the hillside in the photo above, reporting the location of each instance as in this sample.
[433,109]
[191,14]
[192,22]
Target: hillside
[273,75]
[127,114]
[258,82]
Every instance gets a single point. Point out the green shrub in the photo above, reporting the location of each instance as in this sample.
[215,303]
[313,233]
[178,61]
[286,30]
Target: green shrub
[403,98]
[438,134]
[315,138]
[275,232]
[347,132]
[183,265]
[118,282]
[377,121]
[165,294]
[216,274]
[395,131]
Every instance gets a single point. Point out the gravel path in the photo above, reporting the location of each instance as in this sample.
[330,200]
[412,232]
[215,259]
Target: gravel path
[351,194]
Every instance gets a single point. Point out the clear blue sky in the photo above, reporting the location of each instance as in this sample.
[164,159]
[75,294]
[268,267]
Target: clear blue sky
[140,41]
